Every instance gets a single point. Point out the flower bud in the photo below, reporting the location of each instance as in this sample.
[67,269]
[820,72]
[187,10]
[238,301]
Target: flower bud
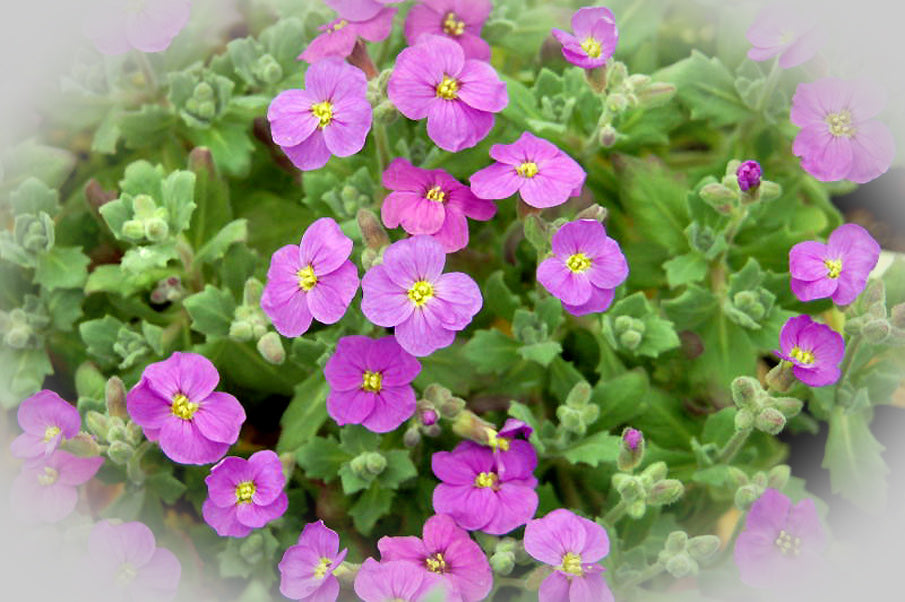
[655,472]
[737,477]
[616,102]
[703,546]
[788,406]
[631,450]
[630,489]
[133,229]
[115,397]
[376,463]
[156,229]
[134,433]
[595,212]
[18,336]
[897,315]
[502,563]
[537,233]
[570,420]
[268,70]
[97,424]
[655,94]
[428,416]
[746,391]
[676,542]
[719,197]
[780,377]
[471,426]
[744,420]
[368,465]
[616,73]
[119,452]
[631,339]
[270,346]
[746,496]
[580,395]
[665,492]
[760,480]
[749,174]
[607,135]
[637,509]
[681,565]
[770,421]
[372,232]
[82,445]
[876,331]
[778,476]
[412,437]
[241,331]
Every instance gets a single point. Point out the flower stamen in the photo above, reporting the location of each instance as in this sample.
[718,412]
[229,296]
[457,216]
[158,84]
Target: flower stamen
[372,382]
[245,492]
[420,292]
[578,263]
[182,407]
[803,356]
[436,563]
[324,113]
[840,124]
[452,25]
[48,477]
[592,47]
[307,278]
[833,267]
[50,432]
[448,88]
[436,194]
[571,564]
[323,566]
[528,169]
[486,480]
[787,544]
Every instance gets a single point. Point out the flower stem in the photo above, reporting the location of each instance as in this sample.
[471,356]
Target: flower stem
[383,147]
[648,573]
[734,444]
[147,70]
[616,512]
[846,366]
[769,85]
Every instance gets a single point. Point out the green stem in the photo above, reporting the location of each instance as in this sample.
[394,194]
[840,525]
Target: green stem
[383,147]
[648,573]
[846,366]
[769,85]
[616,513]
[509,581]
[147,70]
[732,447]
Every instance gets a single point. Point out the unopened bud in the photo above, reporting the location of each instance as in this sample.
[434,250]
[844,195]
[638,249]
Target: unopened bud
[745,496]
[376,463]
[469,425]
[780,377]
[876,331]
[703,547]
[120,452]
[580,395]
[746,391]
[502,563]
[749,174]
[637,509]
[744,419]
[97,424]
[368,465]
[897,315]
[412,437]
[241,331]
[156,229]
[616,102]
[595,212]
[82,445]
[607,135]
[778,476]
[665,492]
[681,565]
[133,229]
[718,196]
[770,420]
[676,542]
[631,450]
[655,94]
[133,434]
[631,339]
[429,416]
[270,346]
[787,406]
[372,232]
[655,472]
[570,420]
[630,489]
[737,477]
[115,397]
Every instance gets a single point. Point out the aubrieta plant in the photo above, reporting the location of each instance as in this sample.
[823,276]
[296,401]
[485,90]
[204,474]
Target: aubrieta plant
[601,280]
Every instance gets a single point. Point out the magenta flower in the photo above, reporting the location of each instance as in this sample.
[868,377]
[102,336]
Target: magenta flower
[383,581]
[370,383]
[47,420]
[359,10]
[45,491]
[586,267]
[306,570]
[632,438]
[175,404]
[593,40]
[544,175]
[573,546]
[481,497]
[510,452]
[837,269]
[459,20]
[813,349]
[839,139]
[314,280]
[458,96]
[410,291]
[748,174]
[331,115]
[145,25]
[445,550]
[431,202]
[782,544]
[779,29]
[245,494]
[127,564]
[339,36]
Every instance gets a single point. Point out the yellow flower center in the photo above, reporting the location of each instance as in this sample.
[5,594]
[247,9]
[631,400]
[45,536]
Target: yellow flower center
[307,279]
[182,407]
[420,292]
[448,88]
[322,567]
[48,477]
[591,47]
[805,357]
[436,194]
[338,25]
[372,382]
[841,124]
[578,263]
[788,544]
[245,491]
[436,563]
[324,113]
[497,442]
[485,480]
[452,25]
[126,573]
[50,432]
[833,267]
[528,169]
[571,564]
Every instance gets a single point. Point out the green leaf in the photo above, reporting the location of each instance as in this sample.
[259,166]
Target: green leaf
[100,335]
[107,134]
[655,199]
[707,89]
[211,310]
[22,373]
[229,144]
[212,206]
[179,199]
[398,470]
[166,486]
[599,448]
[853,457]
[321,458]
[685,269]
[234,232]
[621,398]
[371,506]
[34,196]
[139,260]
[542,353]
[64,307]
[666,421]
[690,309]
[498,299]
[445,366]
[351,482]
[306,413]
[147,127]
[62,267]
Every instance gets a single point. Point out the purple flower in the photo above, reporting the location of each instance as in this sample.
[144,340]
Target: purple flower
[593,39]
[480,496]
[838,139]
[544,175]
[128,565]
[448,551]
[459,20]
[837,269]
[314,280]
[358,9]
[245,494]
[45,491]
[782,544]
[175,404]
[632,438]
[370,383]
[573,546]
[339,36]
[431,202]
[586,267]
[146,25]
[458,96]
[306,570]
[410,291]
[748,174]
[47,420]
[781,30]
[382,581]
[330,116]
[507,450]
[814,350]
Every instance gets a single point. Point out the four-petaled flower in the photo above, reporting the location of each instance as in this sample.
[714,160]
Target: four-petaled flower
[144,25]
[813,349]
[837,269]
[47,420]
[396,581]
[311,280]
[593,39]
[306,570]
[459,20]
[45,491]
[128,565]
[358,9]
[339,36]
[780,29]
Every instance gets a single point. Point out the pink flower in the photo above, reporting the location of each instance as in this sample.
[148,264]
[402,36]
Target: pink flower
[431,202]
[45,491]
[370,383]
[127,564]
[839,139]
[445,550]
[782,544]
[175,404]
[837,269]
[458,96]
[594,40]
[360,10]
[410,292]
[544,175]
[339,36]
[47,420]
[586,267]
[779,29]
[331,116]
[382,581]
[145,25]
[312,280]
[459,20]
[478,495]
[813,349]
[573,546]
[748,174]
[245,494]
[306,570]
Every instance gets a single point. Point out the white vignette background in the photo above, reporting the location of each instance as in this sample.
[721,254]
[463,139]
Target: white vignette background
[38,39]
